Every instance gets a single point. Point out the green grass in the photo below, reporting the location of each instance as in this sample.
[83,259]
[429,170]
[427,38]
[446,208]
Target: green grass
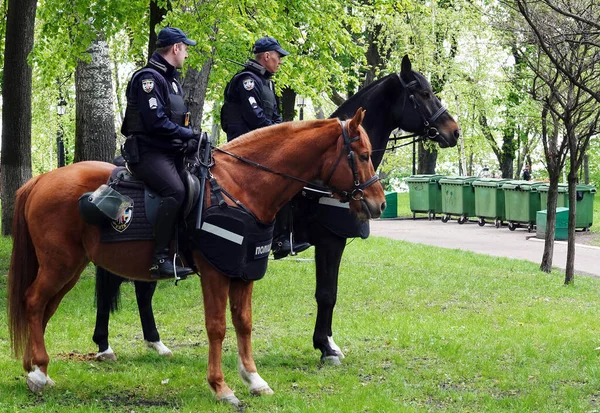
[424,329]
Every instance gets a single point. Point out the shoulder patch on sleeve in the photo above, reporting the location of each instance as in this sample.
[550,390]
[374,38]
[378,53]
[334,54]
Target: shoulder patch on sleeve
[148,85]
[152,102]
[248,83]
[252,102]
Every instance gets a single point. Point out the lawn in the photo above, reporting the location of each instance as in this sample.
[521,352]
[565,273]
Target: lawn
[424,329]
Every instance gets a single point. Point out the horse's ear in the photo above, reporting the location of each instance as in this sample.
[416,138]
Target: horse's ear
[357,119]
[406,67]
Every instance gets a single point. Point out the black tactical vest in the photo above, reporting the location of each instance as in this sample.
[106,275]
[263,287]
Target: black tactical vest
[175,109]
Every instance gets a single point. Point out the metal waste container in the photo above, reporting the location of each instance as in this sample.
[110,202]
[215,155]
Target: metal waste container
[563,195]
[425,194]
[391,209]
[489,200]
[562,224]
[458,198]
[584,211]
[521,203]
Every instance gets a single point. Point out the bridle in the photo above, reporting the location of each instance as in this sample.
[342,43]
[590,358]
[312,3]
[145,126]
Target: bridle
[355,194]
[430,131]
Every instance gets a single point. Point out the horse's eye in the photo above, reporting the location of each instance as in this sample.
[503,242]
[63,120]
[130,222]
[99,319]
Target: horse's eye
[426,94]
[364,157]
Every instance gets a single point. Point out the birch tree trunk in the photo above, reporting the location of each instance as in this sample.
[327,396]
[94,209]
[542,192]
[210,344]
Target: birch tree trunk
[95,135]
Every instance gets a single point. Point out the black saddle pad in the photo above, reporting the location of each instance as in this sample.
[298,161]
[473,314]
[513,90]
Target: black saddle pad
[133,224]
[336,217]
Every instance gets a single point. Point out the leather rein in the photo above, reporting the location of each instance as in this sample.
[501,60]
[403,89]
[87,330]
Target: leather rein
[355,194]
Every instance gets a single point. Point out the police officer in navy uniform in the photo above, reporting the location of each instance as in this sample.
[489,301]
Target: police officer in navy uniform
[159,133]
[251,103]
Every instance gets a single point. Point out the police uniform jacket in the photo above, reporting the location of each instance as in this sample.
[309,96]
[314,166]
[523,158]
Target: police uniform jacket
[250,101]
[156,113]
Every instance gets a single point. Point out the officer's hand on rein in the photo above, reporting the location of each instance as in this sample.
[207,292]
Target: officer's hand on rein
[191,146]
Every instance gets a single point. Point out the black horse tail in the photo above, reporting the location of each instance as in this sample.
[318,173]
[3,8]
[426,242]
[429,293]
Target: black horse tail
[108,290]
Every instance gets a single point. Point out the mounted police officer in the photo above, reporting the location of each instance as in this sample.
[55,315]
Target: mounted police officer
[158,134]
[251,103]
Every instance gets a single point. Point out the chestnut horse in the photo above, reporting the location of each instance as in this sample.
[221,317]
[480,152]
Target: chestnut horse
[52,244]
[403,100]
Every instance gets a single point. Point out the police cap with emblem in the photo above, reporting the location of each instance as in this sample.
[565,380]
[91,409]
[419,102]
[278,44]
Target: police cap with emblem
[267,44]
[172,35]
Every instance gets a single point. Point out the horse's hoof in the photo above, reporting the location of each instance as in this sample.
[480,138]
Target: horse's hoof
[331,360]
[336,348]
[262,391]
[37,380]
[106,355]
[160,348]
[230,399]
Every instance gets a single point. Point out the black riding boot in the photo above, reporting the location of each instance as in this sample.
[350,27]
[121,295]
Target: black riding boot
[162,262]
[282,244]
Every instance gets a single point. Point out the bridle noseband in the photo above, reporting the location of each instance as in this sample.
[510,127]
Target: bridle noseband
[357,193]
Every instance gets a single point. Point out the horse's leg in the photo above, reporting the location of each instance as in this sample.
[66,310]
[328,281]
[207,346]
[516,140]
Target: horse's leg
[107,291]
[329,248]
[215,289]
[144,291]
[42,299]
[240,301]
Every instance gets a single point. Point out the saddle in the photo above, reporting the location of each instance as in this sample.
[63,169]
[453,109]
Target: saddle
[231,238]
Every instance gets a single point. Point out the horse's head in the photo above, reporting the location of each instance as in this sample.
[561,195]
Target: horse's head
[350,170]
[422,112]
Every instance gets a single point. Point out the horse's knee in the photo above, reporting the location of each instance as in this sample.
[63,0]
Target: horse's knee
[326,297]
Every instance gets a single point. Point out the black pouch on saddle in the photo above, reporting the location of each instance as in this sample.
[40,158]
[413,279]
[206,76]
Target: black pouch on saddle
[234,242]
[337,217]
[130,150]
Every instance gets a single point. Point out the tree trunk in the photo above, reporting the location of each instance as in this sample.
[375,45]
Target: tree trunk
[427,160]
[157,14]
[570,268]
[548,253]
[288,104]
[16,107]
[195,85]
[95,136]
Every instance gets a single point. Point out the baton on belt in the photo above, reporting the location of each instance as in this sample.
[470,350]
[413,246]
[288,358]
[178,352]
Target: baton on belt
[203,175]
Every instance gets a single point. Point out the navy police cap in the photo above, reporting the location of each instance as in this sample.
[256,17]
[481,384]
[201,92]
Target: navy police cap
[172,35]
[266,44]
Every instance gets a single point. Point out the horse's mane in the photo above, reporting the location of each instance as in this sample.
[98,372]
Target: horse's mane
[281,130]
[357,100]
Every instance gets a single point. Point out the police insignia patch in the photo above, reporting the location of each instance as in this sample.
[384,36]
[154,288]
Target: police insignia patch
[152,103]
[252,102]
[124,220]
[148,85]
[248,84]
[175,89]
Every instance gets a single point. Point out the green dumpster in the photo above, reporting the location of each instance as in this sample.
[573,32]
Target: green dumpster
[563,195]
[391,209]
[562,223]
[425,194]
[489,200]
[458,198]
[521,203]
[584,211]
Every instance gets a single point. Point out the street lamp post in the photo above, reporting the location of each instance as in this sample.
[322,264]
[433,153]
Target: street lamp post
[301,104]
[61,109]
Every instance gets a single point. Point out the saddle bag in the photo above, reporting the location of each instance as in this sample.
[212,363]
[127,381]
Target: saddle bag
[235,242]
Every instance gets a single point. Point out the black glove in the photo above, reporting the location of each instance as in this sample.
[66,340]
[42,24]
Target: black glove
[192,146]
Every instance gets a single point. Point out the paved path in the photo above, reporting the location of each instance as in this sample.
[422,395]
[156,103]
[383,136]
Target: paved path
[486,240]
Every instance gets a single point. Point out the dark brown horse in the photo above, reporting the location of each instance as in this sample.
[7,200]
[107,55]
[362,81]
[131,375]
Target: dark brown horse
[52,244]
[403,100]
